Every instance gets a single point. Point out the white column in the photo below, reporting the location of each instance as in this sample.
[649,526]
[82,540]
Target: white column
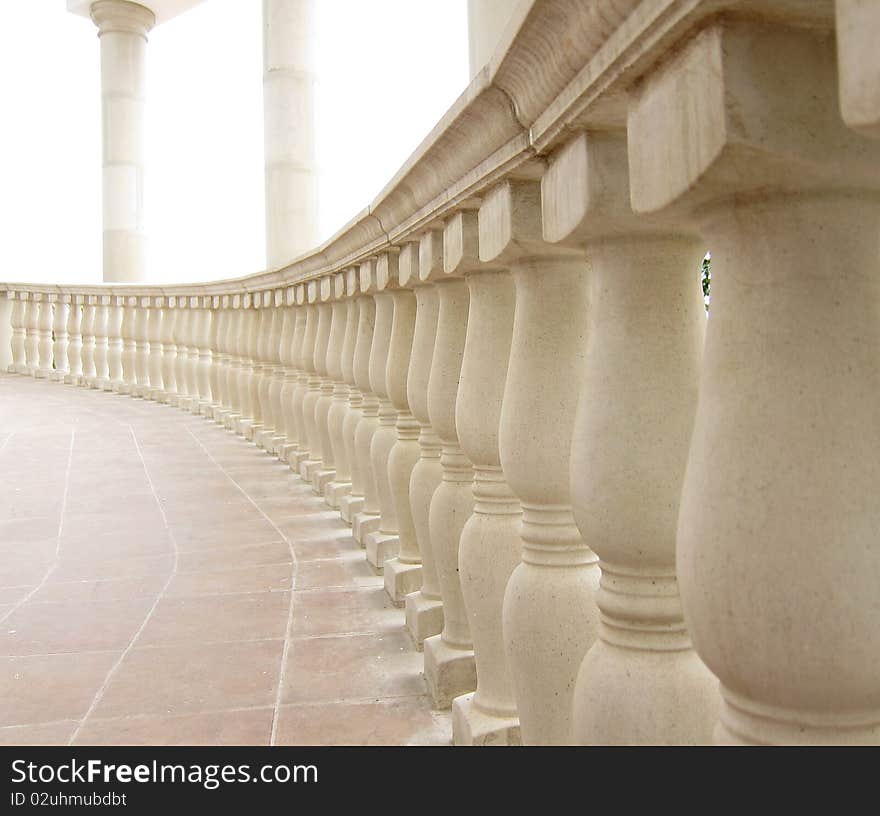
[122,29]
[288,126]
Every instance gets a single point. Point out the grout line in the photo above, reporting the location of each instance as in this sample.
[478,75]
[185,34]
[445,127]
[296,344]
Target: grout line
[290,609]
[115,667]
[54,563]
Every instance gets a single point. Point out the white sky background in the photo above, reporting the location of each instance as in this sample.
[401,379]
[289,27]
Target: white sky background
[387,71]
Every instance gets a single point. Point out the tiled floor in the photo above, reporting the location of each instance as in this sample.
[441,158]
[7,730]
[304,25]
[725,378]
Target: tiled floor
[162,581]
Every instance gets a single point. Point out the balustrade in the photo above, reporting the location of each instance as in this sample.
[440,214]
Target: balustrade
[608,520]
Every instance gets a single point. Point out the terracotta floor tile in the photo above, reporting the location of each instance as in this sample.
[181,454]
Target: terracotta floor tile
[234,557]
[355,667]
[47,688]
[242,727]
[337,543]
[399,721]
[72,568]
[57,733]
[193,677]
[250,579]
[334,612]
[50,628]
[145,586]
[348,572]
[261,615]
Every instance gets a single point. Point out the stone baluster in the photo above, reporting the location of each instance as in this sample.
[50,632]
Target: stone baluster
[293,375]
[61,339]
[128,384]
[856,26]
[182,319]
[217,357]
[269,341]
[17,318]
[317,371]
[102,343]
[170,313]
[340,407]
[140,322]
[333,368]
[115,343]
[206,340]
[640,682]
[262,419]
[278,437]
[247,337]
[194,340]
[283,441]
[75,344]
[424,607]
[402,572]
[490,544]
[305,297]
[361,420]
[31,333]
[88,340]
[388,350]
[155,335]
[777,531]
[44,338]
[549,612]
[366,520]
[230,415]
[449,656]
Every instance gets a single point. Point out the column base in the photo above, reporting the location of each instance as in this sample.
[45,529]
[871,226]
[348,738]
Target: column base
[362,525]
[380,548]
[349,507]
[424,617]
[472,726]
[449,671]
[320,480]
[334,492]
[401,580]
[308,468]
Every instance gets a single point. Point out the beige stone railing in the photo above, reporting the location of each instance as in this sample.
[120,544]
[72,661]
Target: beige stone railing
[498,374]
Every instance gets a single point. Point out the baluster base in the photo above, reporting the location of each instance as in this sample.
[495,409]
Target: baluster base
[473,726]
[296,458]
[308,468]
[320,479]
[401,580]
[334,492]
[349,507]
[424,617]
[44,373]
[285,451]
[449,671]
[261,435]
[380,548]
[362,525]
[274,443]
[249,428]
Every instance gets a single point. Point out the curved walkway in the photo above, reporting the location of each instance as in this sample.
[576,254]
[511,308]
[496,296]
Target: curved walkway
[165,582]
